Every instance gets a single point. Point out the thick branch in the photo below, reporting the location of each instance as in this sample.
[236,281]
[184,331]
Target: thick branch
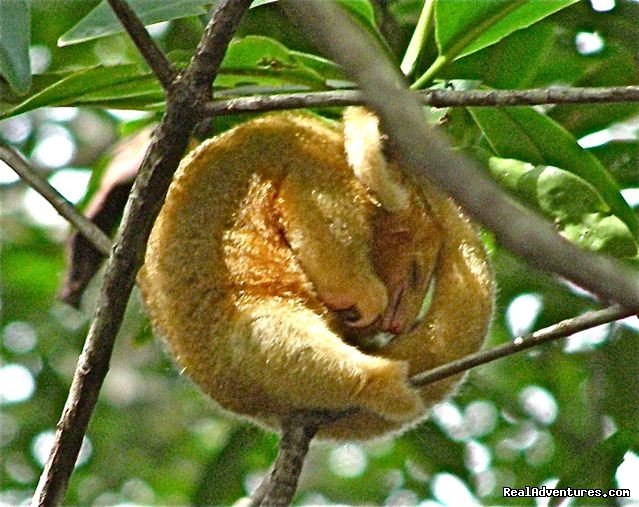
[298,429]
[518,229]
[212,47]
[154,57]
[87,228]
[435,98]
[147,196]
[278,489]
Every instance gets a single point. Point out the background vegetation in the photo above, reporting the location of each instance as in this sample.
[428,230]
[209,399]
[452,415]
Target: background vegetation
[565,413]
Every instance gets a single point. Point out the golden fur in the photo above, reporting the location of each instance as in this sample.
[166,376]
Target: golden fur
[270,262]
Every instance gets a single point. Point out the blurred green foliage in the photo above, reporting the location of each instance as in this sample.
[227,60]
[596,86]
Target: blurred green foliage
[566,413]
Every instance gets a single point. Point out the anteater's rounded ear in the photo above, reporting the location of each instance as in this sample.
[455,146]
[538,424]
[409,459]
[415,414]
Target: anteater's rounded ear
[364,145]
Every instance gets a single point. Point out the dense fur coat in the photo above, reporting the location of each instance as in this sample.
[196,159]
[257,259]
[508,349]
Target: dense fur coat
[271,263]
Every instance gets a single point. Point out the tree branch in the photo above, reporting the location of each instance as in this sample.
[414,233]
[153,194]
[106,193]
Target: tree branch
[154,57]
[298,429]
[555,332]
[435,98]
[184,101]
[88,229]
[531,97]
[212,47]
[279,487]
[517,228]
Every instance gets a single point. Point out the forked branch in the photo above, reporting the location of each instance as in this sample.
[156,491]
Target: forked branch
[185,99]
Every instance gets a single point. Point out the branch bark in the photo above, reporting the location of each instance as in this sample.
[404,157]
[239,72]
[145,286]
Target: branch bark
[152,54]
[278,489]
[298,429]
[186,95]
[551,333]
[518,229]
[88,229]
[434,98]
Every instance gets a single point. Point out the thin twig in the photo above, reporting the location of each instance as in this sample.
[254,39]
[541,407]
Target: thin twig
[152,54]
[531,97]
[434,98]
[518,229]
[88,229]
[555,332]
[166,149]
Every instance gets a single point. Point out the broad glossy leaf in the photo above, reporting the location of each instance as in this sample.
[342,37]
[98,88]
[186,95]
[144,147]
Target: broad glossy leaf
[326,68]
[463,27]
[101,21]
[72,87]
[509,63]
[575,206]
[364,13]
[362,9]
[524,134]
[261,61]
[15,36]
[251,64]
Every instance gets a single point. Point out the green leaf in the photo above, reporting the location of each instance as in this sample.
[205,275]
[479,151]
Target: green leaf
[416,46]
[575,206]
[361,9]
[15,36]
[622,160]
[524,134]
[101,21]
[464,27]
[251,63]
[70,88]
[602,234]
[326,68]
[363,12]
[509,63]
[261,61]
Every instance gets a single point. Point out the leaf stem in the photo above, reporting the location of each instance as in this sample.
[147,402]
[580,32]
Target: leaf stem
[450,54]
[419,38]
